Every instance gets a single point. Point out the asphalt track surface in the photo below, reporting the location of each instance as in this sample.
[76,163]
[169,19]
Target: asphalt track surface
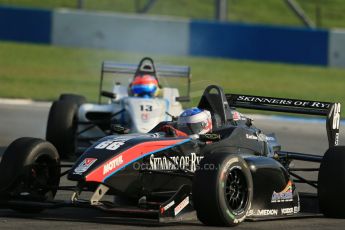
[17,120]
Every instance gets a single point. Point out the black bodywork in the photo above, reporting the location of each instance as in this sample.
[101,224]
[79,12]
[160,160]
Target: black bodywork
[155,171]
[162,173]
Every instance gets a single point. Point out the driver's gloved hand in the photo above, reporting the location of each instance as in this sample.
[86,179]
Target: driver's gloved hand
[209,137]
[172,132]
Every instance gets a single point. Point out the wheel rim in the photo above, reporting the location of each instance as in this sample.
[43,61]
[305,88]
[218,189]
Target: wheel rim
[39,178]
[236,190]
[38,181]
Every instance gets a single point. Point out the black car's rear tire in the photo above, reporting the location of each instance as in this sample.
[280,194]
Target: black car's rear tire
[222,190]
[62,127]
[30,170]
[331,183]
[78,99]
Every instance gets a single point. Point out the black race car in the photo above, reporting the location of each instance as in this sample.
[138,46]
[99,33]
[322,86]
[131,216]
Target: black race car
[233,174]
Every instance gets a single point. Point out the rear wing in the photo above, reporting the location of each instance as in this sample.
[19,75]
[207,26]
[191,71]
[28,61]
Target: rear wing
[328,109]
[162,70]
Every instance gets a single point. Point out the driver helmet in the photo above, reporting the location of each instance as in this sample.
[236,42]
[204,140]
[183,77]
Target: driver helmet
[144,86]
[195,121]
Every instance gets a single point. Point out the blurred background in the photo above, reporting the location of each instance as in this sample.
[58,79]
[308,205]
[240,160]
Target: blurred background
[283,48]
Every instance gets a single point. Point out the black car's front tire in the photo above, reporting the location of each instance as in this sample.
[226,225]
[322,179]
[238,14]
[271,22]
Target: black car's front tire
[222,190]
[331,183]
[30,170]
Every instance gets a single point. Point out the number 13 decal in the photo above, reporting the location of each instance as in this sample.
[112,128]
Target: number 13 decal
[147,108]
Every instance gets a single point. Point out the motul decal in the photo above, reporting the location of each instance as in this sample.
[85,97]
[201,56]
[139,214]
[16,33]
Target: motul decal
[130,155]
[112,164]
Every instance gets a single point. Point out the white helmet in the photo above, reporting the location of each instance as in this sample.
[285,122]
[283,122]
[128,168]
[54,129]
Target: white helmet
[195,121]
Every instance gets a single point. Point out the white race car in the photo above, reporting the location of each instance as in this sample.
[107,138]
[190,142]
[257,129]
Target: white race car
[73,124]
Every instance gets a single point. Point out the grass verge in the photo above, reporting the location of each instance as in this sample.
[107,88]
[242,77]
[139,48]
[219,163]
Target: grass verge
[43,72]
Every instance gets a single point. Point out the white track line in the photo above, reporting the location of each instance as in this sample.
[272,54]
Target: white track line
[25,102]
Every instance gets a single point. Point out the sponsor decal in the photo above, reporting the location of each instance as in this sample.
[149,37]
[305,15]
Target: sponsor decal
[252,137]
[262,212]
[183,162]
[296,209]
[336,116]
[285,211]
[208,126]
[260,137]
[236,116]
[144,117]
[181,206]
[336,141]
[166,207]
[270,138]
[101,173]
[263,137]
[230,214]
[283,196]
[113,164]
[278,101]
[84,165]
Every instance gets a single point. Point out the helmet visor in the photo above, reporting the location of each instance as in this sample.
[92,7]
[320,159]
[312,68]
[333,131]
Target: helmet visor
[144,89]
[192,128]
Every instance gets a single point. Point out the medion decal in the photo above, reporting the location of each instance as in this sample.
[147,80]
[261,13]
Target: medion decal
[262,212]
[183,162]
[277,101]
[112,165]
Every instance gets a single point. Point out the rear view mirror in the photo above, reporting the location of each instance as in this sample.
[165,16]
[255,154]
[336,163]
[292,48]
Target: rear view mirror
[110,95]
[183,99]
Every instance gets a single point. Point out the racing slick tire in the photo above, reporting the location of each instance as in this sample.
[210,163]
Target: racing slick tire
[62,127]
[222,189]
[331,183]
[31,172]
[78,99]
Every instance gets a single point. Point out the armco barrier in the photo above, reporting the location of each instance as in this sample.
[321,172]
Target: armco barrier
[121,32]
[25,25]
[263,43]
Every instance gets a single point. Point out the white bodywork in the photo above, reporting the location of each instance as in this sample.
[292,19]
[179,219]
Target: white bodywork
[141,114]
